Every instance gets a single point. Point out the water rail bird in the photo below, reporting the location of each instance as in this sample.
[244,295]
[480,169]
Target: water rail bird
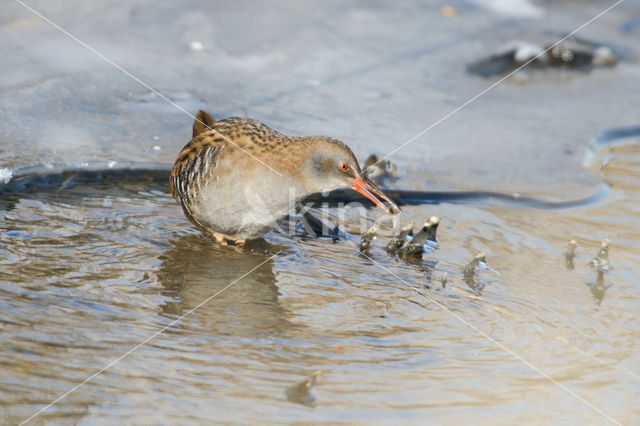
[237,178]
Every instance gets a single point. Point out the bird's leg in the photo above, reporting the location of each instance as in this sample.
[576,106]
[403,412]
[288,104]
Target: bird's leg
[225,241]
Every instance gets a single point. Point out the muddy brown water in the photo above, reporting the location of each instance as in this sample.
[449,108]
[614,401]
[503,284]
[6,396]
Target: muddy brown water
[89,272]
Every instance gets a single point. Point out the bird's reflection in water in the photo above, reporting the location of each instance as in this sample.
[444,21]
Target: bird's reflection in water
[194,269]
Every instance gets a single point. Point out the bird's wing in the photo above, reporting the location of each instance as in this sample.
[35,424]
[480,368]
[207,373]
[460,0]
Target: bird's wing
[195,166]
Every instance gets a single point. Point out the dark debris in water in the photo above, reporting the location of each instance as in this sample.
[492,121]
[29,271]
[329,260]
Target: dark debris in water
[365,242]
[427,232]
[572,54]
[413,248]
[406,232]
[408,246]
[600,263]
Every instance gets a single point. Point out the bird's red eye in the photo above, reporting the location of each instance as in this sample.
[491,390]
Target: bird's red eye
[344,167]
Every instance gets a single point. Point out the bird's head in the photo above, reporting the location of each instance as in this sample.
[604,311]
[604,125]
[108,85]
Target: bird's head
[331,165]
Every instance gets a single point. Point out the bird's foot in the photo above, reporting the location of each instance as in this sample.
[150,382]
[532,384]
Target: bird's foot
[226,241]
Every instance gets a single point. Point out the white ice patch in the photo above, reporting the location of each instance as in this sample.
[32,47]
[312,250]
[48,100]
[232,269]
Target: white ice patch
[5,175]
[527,51]
[196,46]
[514,8]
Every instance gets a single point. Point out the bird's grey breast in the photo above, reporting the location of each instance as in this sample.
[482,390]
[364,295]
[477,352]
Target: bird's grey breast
[246,201]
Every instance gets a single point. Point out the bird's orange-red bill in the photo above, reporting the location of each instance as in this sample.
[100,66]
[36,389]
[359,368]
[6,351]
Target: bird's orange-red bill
[371,191]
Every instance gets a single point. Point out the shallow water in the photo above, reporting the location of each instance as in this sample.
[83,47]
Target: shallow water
[91,271]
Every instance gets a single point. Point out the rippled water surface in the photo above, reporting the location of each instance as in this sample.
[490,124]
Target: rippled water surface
[110,278]
[89,272]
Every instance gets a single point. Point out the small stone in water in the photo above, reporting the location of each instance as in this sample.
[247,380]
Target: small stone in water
[428,231]
[572,53]
[601,261]
[365,242]
[401,238]
[301,392]
[470,269]
[571,249]
[413,248]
